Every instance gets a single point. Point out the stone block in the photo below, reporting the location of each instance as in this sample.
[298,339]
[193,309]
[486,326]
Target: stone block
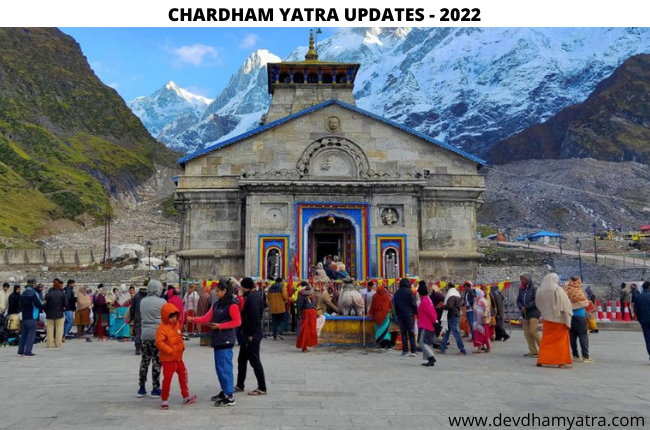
[224,170]
[377,155]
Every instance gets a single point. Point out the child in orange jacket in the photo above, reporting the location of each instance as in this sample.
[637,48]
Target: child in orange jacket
[169,341]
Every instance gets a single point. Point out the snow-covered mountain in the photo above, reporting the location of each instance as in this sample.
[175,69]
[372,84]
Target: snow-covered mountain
[168,105]
[237,109]
[467,86]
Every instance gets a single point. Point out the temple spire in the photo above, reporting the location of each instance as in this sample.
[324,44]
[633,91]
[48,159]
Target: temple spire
[311,54]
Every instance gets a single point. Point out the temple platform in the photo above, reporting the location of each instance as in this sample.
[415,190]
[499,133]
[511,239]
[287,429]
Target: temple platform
[347,330]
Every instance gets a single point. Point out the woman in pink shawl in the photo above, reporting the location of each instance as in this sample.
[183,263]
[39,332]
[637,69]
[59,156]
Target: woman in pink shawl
[174,298]
[481,323]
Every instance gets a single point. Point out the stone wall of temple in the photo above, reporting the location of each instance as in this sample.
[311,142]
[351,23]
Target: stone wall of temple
[294,98]
[387,148]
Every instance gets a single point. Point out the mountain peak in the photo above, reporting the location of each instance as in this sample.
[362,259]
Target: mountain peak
[171,85]
[259,59]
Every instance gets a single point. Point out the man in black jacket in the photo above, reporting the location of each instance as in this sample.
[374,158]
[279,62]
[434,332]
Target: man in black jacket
[452,304]
[642,310]
[528,307]
[70,308]
[30,307]
[249,350]
[13,306]
[406,308]
[496,298]
[136,318]
[55,306]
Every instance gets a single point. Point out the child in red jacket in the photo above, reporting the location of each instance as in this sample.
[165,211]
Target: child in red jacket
[169,341]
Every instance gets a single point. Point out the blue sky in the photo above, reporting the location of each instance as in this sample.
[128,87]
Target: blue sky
[139,61]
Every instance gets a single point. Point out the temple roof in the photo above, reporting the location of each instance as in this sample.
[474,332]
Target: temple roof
[319,106]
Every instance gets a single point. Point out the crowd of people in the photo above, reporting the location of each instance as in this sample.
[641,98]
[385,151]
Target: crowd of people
[56,311]
[422,317]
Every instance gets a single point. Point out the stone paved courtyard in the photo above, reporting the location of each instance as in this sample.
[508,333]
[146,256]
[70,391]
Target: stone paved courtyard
[93,385]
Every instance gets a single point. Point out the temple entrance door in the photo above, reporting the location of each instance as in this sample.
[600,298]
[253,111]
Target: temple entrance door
[328,244]
[333,236]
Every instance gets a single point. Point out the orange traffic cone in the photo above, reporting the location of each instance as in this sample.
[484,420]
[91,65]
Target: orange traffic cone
[609,310]
[599,308]
[619,317]
[626,312]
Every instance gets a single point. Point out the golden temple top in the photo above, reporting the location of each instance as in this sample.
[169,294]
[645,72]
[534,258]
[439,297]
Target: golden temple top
[311,53]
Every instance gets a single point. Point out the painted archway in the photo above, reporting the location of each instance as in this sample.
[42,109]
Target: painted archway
[356,214]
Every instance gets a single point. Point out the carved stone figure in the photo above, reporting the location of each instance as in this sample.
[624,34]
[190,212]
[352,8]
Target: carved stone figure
[389,216]
[325,164]
[333,124]
[350,300]
[273,263]
[333,147]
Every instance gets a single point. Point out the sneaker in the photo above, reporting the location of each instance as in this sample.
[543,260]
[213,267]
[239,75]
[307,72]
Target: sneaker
[227,401]
[413,354]
[588,360]
[219,397]
[189,400]
[155,393]
[31,354]
[20,355]
[141,392]
[164,406]
[404,354]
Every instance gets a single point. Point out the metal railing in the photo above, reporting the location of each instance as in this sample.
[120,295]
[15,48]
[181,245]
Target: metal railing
[631,260]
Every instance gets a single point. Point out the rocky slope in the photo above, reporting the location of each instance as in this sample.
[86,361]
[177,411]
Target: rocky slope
[612,124]
[67,141]
[575,193]
[471,87]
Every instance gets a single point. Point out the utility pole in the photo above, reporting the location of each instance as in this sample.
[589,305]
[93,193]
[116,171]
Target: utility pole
[107,231]
[593,226]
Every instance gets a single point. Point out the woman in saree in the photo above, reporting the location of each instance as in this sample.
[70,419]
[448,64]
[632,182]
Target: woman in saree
[556,309]
[101,313]
[82,314]
[120,328]
[307,334]
[382,303]
[481,323]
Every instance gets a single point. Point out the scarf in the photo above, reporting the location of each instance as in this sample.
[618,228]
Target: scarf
[553,302]
[452,292]
[381,305]
[574,291]
[123,295]
[480,310]
[83,300]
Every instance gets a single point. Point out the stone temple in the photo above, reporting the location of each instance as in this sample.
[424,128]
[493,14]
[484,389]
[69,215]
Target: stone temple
[321,176]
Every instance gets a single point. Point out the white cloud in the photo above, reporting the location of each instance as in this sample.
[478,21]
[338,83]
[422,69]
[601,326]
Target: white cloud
[114,85]
[195,54]
[249,41]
